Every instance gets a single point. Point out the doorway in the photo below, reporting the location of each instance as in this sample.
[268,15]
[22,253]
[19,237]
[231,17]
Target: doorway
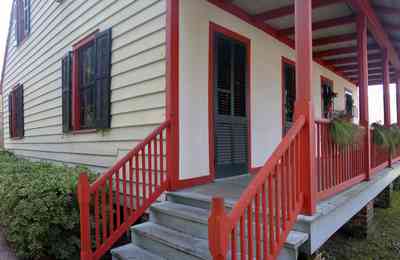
[230,109]
[288,93]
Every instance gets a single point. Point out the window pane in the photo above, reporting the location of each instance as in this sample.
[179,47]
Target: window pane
[87,85]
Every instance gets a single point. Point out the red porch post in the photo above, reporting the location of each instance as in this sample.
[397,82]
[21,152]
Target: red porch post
[362,42]
[304,105]
[386,93]
[398,98]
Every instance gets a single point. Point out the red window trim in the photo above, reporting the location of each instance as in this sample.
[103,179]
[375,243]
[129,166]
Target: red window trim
[76,122]
[325,79]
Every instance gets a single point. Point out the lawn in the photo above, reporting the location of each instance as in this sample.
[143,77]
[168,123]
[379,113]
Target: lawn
[382,244]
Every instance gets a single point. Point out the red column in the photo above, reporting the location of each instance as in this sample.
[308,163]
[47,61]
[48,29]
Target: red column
[386,93]
[304,105]
[362,42]
[398,99]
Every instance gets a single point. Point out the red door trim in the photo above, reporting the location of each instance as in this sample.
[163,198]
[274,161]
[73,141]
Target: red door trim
[285,61]
[214,28]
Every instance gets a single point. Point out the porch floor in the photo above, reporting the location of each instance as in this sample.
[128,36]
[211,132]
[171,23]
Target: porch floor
[228,188]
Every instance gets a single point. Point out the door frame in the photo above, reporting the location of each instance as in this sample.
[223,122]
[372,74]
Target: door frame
[285,61]
[213,29]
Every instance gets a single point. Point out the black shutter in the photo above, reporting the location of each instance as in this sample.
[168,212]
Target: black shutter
[10,113]
[67,92]
[103,79]
[17,20]
[19,107]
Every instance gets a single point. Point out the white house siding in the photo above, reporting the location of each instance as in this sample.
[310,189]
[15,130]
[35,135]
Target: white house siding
[266,114]
[138,77]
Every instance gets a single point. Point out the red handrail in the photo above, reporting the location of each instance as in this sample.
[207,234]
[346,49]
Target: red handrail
[117,199]
[338,166]
[258,225]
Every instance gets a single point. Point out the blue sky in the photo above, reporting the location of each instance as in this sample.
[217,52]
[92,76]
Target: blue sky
[375,95]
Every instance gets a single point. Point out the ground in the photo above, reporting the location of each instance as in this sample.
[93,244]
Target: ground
[382,244]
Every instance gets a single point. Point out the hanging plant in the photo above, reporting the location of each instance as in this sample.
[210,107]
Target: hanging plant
[343,132]
[386,137]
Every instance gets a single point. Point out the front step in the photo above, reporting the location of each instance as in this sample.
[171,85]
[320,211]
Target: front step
[132,252]
[169,243]
[178,229]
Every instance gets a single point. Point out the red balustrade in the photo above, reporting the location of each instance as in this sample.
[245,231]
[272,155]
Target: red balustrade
[121,195]
[260,221]
[338,166]
[379,156]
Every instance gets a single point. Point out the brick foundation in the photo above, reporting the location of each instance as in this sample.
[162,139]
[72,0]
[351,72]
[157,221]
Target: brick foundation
[396,184]
[384,199]
[360,225]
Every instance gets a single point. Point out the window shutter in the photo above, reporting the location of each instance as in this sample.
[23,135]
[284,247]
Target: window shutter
[103,79]
[10,112]
[19,107]
[67,92]
[17,20]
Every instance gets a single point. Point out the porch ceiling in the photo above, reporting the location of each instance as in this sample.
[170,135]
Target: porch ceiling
[334,30]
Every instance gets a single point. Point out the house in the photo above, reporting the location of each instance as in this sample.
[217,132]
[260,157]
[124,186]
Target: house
[208,100]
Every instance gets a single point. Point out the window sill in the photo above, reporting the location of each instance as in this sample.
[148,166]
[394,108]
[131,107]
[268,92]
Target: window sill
[86,131]
[16,138]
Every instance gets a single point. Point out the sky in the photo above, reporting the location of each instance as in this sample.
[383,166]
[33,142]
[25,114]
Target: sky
[375,92]
[5,7]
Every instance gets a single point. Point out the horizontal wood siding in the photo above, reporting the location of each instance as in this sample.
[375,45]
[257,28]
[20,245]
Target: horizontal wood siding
[138,78]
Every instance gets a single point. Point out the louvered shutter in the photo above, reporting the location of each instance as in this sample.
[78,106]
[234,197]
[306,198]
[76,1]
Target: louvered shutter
[17,19]
[103,79]
[67,92]
[19,113]
[10,114]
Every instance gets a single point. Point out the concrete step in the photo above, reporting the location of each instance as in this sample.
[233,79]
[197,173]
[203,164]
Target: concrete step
[293,242]
[132,252]
[180,217]
[168,243]
[195,200]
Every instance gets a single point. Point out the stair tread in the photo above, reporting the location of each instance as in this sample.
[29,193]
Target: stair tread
[175,239]
[295,239]
[132,252]
[182,211]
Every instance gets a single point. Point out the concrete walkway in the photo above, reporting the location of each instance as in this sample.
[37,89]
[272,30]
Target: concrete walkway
[5,251]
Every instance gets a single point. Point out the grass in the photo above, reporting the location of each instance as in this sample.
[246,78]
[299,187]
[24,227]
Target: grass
[382,244]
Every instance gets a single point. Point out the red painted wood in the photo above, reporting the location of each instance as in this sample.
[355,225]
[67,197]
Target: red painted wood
[172,91]
[322,24]
[386,89]
[335,39]
[304,106]
[376,29]
[340,51]
[84,206]
[214,28]
[398,100]
[363,88]
[289,10]
[152,187]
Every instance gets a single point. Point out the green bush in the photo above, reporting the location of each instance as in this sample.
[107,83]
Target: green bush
[344,132]
[386,137]
[39,208]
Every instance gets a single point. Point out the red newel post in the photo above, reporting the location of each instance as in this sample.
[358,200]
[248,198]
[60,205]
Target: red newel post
[304,105]
[217,233]
[362,41]
[84,201]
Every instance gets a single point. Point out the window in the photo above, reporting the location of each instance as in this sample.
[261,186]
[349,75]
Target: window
[288,93]
[86,84]
[16,112]
[327,97]
[349,102]
[23,20]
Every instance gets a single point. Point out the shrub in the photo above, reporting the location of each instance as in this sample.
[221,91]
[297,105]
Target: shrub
[344,132]
[386,137]
[39,208]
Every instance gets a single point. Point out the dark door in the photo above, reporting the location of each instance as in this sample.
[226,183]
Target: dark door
[230,111]
[289,95]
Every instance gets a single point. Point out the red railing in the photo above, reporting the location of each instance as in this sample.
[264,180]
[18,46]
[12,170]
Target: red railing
[338,166]
[116,200]
[258,225]
[379,156]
